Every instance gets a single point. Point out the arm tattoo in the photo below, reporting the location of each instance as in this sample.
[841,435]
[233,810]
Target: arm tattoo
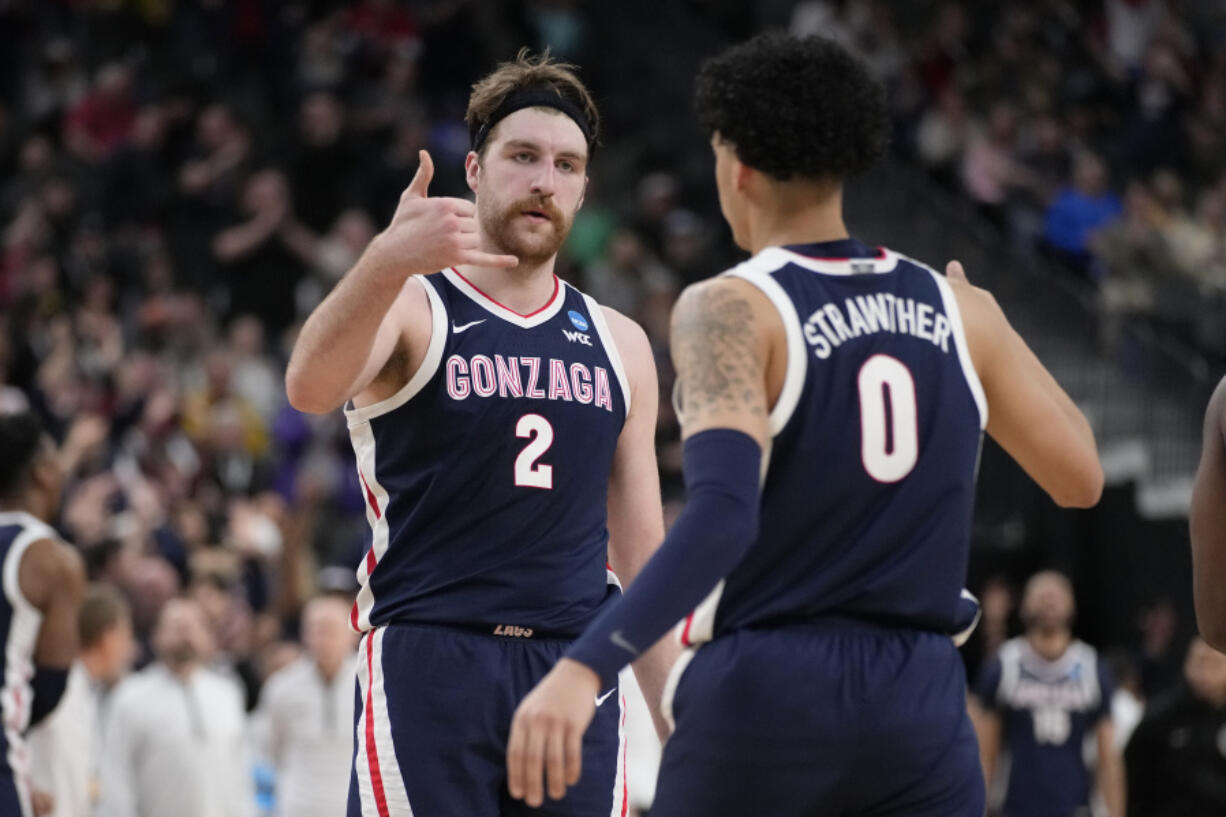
[715,346]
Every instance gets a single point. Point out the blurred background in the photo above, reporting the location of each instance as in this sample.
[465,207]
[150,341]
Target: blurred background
[181,181]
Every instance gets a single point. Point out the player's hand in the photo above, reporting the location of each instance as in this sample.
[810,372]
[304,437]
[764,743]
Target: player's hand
[429,234]
[954,270]
[42,803]
[547,733]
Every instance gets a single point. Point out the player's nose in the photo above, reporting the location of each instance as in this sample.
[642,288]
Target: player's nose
[543,183]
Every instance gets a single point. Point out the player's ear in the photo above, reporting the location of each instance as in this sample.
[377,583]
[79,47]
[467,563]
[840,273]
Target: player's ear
[472,170]
[742,174]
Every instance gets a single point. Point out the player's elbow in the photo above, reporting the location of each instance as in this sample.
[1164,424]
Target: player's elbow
[1084,489]
[303,393]
[1213,629]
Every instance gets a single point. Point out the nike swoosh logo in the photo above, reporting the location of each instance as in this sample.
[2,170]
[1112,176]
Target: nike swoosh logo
[602,698]
[620,640]
[459,329]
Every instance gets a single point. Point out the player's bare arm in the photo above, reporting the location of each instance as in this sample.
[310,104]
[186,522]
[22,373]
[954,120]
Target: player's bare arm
[987,730]
[52,578]
[1109,774]
[722,343]
[1029,414]
[1207,519]
[636,517]
[374,312]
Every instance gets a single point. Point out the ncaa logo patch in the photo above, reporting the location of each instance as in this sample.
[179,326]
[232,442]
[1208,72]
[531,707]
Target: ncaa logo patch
[577,320]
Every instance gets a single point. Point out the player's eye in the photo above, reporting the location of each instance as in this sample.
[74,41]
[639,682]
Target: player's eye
[523,157]
[567,166]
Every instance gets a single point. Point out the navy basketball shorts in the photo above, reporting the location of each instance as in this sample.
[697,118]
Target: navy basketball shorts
[433,712]
[14,797]
[832,720]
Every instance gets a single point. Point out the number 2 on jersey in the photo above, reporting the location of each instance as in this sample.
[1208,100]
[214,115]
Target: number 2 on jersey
[528,473]
[889,440]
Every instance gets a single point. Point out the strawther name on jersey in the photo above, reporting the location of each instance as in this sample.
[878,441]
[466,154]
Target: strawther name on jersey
[829,325]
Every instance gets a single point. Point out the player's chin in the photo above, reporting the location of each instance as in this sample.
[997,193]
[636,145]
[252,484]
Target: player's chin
[537,244]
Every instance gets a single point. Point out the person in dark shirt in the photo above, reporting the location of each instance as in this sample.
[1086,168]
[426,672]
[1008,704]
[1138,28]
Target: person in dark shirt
[1176,759]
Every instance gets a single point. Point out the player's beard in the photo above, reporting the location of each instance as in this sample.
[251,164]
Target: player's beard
[532,246]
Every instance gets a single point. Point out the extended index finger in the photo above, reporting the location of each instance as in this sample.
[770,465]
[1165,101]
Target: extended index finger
[955,271]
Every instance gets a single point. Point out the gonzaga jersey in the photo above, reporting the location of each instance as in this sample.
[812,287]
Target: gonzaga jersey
[486,476]
[1048,709]
[19,624]
[869,479]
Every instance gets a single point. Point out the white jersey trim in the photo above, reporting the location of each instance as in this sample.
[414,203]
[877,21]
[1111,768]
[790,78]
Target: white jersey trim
[671,684]
[545,313]
[427,369]
[884,261]
[363,439]
[759,274]
[610,345]
[964,350]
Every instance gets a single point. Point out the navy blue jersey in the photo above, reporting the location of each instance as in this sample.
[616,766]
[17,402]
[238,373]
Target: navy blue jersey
[869,478]
[1048,709]
[19,625]
[487,474]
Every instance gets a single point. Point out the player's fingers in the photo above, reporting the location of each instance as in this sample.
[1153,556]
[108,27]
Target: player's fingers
[467,224]
[515,759]
[532,775]
[954,270]
[462,207]
[420,185]
[555,763]
[477,258]
[574,755]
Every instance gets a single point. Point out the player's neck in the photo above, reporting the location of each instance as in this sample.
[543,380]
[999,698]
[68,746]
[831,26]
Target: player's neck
[524,289]
[781,221]
[25,504]
[1049,644]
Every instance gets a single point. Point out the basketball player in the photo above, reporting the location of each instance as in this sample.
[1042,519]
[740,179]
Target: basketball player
[44,583]
[832,398]
[503,424]
[1207,520]
[1043,696]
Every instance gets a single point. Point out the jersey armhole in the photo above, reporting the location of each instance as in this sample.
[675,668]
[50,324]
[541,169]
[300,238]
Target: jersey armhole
[427,369]
[32,532]
[954,314]
[610,346]
[797,362]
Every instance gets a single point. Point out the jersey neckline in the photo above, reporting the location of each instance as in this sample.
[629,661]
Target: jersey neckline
[535,318]
[843,256]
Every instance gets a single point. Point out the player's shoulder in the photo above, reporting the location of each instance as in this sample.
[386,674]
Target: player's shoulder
[50,565]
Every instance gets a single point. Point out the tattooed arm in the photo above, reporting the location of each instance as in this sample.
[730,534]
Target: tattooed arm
[722,337]
[723,346]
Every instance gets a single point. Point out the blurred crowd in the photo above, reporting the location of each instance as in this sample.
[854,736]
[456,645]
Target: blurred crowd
[181,181]
[1092,132]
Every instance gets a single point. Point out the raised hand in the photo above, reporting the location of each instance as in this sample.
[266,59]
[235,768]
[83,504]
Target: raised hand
[429,234]
[954,270]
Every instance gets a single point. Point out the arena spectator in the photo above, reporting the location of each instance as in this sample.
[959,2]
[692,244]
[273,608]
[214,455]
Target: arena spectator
[66,748]
[305,717]
[175,732]
[1078,210]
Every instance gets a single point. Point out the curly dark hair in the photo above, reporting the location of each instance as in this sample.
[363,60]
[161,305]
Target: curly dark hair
[790,106]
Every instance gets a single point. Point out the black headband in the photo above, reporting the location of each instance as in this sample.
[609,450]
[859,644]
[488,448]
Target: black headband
[532,98]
